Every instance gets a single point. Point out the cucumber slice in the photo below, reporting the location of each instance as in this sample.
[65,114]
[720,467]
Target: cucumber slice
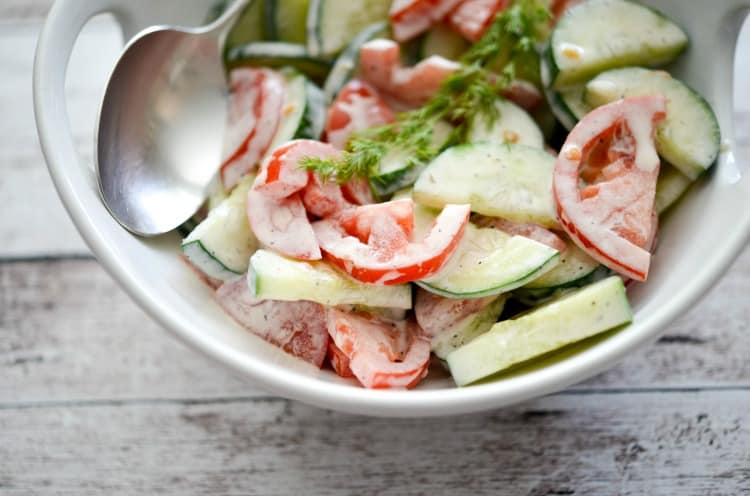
[397,171]
[277,54]
[468,329]
[215,193]
[575,267]
[331,24]
[572,98]
[689,138]
[514,125]
[534,297]
[285,20]
[346,63]
[584,313]
[670,187]
[273,277]
[222,244]
[489,262]
[567,104]
[304,111]
[598,35]
[188,226]
[442,40]
[500,180]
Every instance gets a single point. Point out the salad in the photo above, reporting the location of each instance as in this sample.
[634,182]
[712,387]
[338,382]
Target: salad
[459,183]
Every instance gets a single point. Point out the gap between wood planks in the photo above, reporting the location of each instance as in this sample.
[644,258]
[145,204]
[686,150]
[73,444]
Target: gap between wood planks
[103,403]
[629,444]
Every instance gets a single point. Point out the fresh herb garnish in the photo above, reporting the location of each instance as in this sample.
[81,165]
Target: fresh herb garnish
[509,41]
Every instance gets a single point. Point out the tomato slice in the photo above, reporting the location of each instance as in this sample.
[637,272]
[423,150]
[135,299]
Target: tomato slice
[380,64]
[282,225]
[381,354]
[436,314]
[297,327]
[410,18]
[388,257]
[525,229]
[281,175]
[605,183]
[472,17]
[524,94]
[357,107]
[357,190]
[323,198]
[359,222]
[339,361]
[255,105]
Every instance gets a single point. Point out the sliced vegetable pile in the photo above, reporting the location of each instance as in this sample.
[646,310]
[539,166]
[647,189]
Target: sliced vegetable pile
[427,197]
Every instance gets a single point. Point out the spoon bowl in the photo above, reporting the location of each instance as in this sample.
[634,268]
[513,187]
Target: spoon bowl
[161,125]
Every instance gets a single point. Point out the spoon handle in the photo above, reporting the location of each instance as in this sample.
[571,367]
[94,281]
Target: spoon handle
[221,26]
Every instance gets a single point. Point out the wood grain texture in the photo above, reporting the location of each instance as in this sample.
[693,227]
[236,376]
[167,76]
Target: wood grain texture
[96,399]
[24,10]
[69,315]
[655,444]
[35,222]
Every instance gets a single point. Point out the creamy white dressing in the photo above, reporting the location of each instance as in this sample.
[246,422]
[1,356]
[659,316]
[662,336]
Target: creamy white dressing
[640,122]
[440,66]
[380,44]
[358,110]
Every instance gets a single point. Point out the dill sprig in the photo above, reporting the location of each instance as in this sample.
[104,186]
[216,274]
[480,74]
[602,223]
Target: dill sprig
[470,92]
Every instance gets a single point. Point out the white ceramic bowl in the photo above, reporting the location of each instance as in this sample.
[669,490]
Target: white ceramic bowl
[698,241]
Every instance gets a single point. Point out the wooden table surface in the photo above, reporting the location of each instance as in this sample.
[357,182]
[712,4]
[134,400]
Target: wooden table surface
[96,399]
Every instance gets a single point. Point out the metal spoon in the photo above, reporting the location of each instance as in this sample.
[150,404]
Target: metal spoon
[161,125]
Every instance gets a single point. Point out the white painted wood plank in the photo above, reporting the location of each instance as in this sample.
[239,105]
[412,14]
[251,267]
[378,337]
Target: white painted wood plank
[70,333]
[34,221]
[23,10]
[601,444]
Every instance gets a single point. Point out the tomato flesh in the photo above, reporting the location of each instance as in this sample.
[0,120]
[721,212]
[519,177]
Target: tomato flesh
[297,327]
[381,354]
[605,183]
[388,256]
[357,107]
[284,193]
[282,225]
[437,315]
[359,222]
[380,64]
[339,361]
[281,175]
[410,18]
[255,104]
[323,198]
[472,17]
[357,190]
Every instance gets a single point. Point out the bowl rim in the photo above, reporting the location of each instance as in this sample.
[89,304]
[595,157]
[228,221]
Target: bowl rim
[289,384]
